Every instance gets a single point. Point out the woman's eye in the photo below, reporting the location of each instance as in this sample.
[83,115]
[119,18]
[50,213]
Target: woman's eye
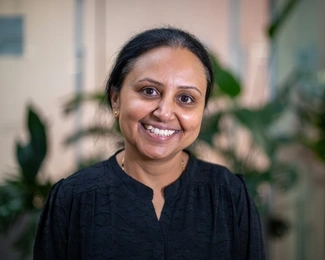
[185,99]
[150,92]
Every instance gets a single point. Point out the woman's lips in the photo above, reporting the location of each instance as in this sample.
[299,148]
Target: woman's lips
[160,132]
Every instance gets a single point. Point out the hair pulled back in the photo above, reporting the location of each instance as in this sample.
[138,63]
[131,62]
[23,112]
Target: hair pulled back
[151,39]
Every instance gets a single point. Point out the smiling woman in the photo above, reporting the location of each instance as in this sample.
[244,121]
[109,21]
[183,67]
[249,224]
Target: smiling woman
[153,199]
[156,94]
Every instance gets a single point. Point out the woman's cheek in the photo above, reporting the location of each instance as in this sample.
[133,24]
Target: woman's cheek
[192,121]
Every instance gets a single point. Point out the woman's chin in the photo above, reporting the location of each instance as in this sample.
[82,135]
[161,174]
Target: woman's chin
[159,153]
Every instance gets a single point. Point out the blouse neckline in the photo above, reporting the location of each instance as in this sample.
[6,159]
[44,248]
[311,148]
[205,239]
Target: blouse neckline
[142,190]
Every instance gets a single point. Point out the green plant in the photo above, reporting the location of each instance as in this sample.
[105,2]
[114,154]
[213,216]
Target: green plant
[265,138]
[95,129]
[310,109]
[22,194]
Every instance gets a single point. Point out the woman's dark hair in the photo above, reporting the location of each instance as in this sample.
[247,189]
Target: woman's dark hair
[151,39]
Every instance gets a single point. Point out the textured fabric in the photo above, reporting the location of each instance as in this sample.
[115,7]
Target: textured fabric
[102,213]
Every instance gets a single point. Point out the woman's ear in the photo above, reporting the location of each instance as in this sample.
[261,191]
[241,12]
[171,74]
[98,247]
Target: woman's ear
[115,99]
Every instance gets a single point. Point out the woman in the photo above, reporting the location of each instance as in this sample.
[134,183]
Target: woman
[153,199]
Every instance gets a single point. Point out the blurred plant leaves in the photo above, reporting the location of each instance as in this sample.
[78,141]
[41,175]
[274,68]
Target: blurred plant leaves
[258,121]
[281,18]
[92,131]
[210,127]
[22,195]
[224,80]
[79,99]
[31,155]
[311,111]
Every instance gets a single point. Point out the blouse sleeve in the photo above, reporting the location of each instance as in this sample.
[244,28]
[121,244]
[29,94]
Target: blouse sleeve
[250,231]
[51,238]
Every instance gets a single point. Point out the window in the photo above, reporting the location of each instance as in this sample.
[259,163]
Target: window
[11,35]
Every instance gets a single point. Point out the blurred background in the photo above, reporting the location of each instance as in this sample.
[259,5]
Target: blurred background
[266,118]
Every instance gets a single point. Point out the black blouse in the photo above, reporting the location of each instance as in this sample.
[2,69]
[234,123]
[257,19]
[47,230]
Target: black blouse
[101,212]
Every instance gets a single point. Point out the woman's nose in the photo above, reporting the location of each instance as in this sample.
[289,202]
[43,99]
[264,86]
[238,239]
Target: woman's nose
[165,110]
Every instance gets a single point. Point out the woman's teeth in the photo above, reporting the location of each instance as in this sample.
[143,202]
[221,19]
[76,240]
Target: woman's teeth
[158,131]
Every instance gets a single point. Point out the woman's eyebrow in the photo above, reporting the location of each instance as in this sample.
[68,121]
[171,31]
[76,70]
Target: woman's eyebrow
[151,81]
[162,85]
[190,87]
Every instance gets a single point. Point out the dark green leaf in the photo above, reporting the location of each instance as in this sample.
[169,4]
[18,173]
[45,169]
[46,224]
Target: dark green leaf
[31,155]
[29,166]
[227,83]
[38,135]
[225,80]
[281,18]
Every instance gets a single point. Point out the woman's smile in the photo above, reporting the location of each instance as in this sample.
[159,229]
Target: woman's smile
[160,132]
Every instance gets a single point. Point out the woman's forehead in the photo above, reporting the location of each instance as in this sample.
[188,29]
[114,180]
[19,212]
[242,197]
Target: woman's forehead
[174,63]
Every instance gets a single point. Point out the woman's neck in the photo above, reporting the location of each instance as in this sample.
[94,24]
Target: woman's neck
[154,173]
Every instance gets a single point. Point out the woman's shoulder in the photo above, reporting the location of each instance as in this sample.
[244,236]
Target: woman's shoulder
[96,176]
[220,178]
[217,174]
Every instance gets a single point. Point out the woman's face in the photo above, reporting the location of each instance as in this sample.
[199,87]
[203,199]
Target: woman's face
[161,102]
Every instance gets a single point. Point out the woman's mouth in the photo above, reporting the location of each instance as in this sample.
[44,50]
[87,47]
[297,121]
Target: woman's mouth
[160,132]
